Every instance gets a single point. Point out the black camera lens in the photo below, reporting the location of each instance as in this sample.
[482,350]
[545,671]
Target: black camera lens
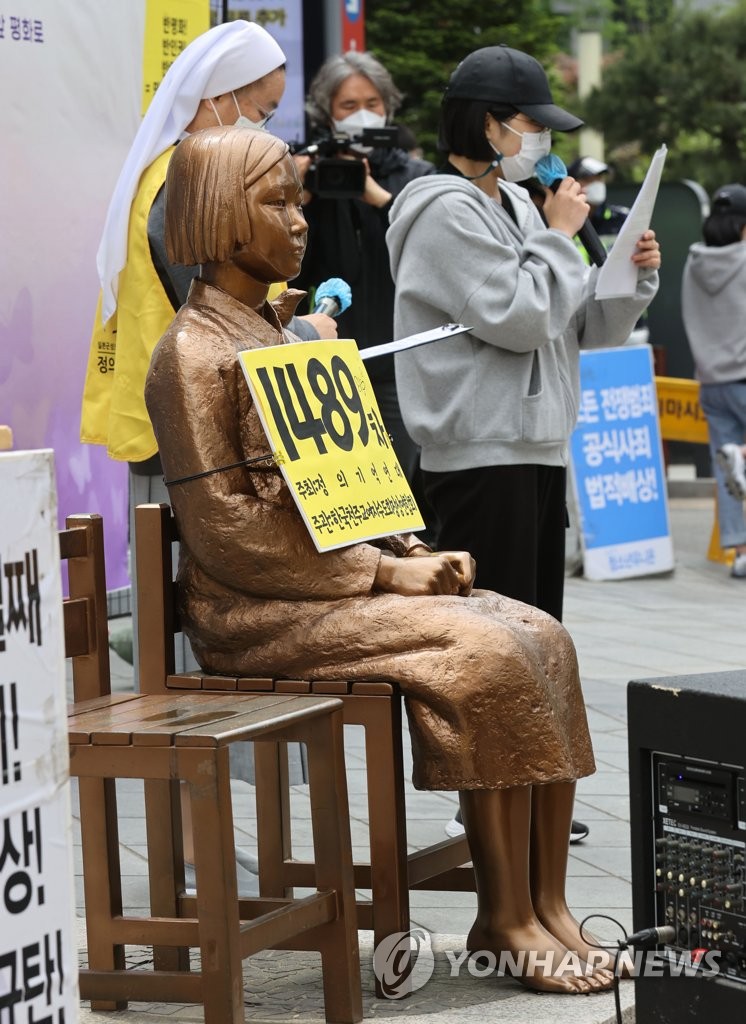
[334,178]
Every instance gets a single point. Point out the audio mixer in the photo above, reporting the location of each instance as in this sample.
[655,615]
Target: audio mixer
[687,780]
[700,857]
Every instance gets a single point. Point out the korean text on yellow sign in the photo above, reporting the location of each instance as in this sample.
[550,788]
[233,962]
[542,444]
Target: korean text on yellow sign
[317,407]
[680,413]
[170,25]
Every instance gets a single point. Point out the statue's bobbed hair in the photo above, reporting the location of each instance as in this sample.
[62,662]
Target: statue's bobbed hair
[208,175]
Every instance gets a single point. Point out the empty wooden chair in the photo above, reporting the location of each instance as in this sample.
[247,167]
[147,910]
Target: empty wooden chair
[177,738]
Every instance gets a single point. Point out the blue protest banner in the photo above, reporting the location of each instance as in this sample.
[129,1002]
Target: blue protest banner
[617,462]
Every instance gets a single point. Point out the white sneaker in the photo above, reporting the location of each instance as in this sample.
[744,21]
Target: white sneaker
[738,568]
[454,828]
[731,461]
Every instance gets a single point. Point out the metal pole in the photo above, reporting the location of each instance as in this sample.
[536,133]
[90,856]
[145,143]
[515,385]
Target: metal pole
[589,77]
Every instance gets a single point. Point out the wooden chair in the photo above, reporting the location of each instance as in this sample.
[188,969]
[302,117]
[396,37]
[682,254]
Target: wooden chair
[375,705]
[174,738]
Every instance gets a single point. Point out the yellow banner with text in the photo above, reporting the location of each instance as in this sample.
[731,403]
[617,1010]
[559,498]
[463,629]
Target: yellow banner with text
[170,25]
[317,407]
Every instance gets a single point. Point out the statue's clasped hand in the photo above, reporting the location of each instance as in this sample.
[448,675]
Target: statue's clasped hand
[426,572]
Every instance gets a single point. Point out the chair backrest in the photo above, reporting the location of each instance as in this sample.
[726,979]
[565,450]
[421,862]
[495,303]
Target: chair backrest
[84,611]
[157,621]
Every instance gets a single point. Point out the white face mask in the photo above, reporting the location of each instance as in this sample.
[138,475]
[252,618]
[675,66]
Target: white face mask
[595,193]
[534,145]
[353,124]
[246,122]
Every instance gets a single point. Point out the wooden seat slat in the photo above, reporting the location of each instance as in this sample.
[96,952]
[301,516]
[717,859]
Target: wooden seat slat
[184,681]
[292,686]
[94,703]
[330,686]
[375,689]
[248,685]
[255,724]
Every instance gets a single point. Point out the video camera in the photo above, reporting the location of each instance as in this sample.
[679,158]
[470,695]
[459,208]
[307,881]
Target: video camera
[334,177]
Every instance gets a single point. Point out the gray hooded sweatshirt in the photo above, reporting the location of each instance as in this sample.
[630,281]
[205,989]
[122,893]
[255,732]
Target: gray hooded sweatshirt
[713,307]
[508,391]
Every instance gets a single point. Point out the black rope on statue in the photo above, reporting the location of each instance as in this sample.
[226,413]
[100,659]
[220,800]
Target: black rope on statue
[271,457]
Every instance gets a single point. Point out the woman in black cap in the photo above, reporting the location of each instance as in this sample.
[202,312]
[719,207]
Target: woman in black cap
[493,409]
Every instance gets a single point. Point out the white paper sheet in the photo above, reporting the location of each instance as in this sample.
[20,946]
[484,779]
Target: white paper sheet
[413,340]
[618,276]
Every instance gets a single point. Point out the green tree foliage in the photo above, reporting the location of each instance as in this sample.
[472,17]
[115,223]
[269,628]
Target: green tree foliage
[420,42]
[681,83]
[618,19]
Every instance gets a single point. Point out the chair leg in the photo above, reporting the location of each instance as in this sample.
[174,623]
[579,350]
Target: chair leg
[217,892]
[165,864]
[387,817]
[274,838]
[333,855]
[102,879]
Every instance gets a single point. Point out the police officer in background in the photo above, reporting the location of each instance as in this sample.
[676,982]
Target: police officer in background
[606,218]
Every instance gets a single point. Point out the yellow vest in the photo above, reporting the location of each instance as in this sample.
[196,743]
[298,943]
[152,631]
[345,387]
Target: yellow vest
[113,410]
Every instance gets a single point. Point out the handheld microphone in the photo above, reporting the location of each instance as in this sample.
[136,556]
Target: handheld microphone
[651,936]
[550,171]
[332,297]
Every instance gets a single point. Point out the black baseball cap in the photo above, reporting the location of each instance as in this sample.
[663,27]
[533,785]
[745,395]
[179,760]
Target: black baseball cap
[499,74]
[587,167]
[730,198]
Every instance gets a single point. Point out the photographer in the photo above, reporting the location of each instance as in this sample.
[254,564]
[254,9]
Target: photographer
[347,235]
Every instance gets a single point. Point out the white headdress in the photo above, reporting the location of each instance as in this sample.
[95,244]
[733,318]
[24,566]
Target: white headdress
[225,58]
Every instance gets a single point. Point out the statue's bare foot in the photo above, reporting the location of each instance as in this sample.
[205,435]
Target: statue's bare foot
[562,925]
[536,958]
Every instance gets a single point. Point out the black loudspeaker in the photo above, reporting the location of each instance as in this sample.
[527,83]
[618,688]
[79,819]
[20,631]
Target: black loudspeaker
[687,778]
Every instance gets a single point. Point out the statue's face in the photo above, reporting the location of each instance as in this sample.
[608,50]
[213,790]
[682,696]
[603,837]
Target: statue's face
[278,227]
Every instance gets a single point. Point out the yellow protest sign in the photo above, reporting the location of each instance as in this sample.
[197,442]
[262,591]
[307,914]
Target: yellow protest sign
[317,407]
[170,25]
[679,411]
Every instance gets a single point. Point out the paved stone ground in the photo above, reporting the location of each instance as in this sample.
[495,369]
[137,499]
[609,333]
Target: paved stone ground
[688,621]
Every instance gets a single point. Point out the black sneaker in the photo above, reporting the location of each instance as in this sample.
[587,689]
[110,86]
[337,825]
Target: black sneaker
[578,831]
